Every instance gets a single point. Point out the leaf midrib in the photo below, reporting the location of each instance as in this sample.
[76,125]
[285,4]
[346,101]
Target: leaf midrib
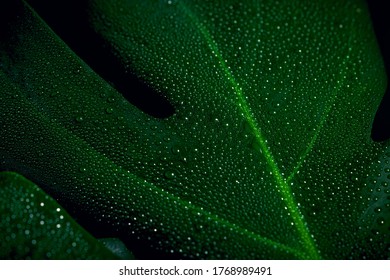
[185,204]
[151,187]
[237,228]
[285,189]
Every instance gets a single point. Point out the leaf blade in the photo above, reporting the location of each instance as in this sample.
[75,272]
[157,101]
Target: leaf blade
[192,165]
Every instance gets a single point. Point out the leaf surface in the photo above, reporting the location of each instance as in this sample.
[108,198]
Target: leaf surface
[34,226]
[268,154]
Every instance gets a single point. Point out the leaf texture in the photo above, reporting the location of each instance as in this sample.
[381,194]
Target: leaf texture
[34,226]
[268,154]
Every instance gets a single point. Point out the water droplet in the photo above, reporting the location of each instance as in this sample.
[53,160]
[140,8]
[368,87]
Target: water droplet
[111,99]
[380,221]
[378,210]
[109,110]
[384,184]
[175,150]
[79,119]
[169,174]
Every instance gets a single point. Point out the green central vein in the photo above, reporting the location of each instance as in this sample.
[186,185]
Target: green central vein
[284,188]
[153,188]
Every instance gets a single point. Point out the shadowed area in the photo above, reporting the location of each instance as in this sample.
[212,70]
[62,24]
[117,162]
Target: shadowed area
[69,19]
[381,21]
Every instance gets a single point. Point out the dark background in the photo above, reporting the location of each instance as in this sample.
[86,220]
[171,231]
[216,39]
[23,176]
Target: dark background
[68,19]
[380,14]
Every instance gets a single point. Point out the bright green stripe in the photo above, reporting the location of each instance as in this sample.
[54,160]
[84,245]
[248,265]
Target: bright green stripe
[151,187]
[285,189]
[184,203]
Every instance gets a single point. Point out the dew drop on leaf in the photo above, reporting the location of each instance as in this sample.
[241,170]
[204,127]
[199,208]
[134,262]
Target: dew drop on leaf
[169,174]
[79,119]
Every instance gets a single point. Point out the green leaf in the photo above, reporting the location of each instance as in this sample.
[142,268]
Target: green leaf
[34,226]
[268,154]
